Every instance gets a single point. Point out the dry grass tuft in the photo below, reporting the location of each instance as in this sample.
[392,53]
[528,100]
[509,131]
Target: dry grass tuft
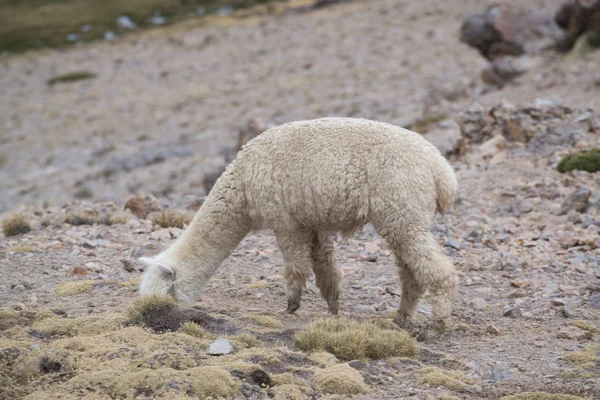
[541,396]
[586,326]
[349,339]
[324,358]
[244,341]
[340,379]
[587,355]
[143,305]
[21,249]
[78,218]
[15,224]
[171,219]
[195,330]
[454,380]
[72,288]
[264,320]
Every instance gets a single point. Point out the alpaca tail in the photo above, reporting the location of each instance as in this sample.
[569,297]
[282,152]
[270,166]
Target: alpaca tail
[445,183]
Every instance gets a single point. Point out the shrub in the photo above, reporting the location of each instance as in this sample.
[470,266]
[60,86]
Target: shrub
[587,160]
[15,224]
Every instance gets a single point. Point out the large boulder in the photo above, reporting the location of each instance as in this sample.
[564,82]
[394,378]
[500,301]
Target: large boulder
[510,30]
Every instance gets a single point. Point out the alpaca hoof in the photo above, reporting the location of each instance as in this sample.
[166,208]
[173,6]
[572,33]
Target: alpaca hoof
[292,308]
[334,308]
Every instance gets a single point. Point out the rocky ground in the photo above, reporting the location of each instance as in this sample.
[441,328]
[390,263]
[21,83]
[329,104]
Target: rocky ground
[162,117]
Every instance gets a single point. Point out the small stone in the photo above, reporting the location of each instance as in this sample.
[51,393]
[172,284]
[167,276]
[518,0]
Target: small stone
[453,243]
[574,333]
[19,288]
[594,301]
[220,347]
[91,304]
[520,283]
[75,253]
[365,309]
[34,347]
[366,256]
[576,200]
[479,303]
[566,312]
[493,330]
[558,302]
[517,294]
[500,374]
[512,312]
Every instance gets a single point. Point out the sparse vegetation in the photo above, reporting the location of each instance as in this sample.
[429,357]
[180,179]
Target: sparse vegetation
[245,341]
[540,396]
[586,326]
[587,160]
[340,379]
[143,305]
[587,355]
[195,330]
[21,249]
[171,219]
[15,224]
[73,77]
[72,288]
[265,320]
[348,339]
[454,380]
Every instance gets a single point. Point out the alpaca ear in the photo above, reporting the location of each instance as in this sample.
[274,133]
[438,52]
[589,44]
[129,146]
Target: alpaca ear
[148,262]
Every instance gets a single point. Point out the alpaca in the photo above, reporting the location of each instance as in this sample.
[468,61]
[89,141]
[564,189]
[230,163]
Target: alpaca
[306,181]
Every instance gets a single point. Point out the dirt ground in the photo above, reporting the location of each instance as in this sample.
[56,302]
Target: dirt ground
[167,103]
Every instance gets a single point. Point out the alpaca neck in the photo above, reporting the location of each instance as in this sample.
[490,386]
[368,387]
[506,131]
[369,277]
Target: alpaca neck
[216,230]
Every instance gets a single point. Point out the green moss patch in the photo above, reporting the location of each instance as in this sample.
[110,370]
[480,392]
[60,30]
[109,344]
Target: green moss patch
[587,160]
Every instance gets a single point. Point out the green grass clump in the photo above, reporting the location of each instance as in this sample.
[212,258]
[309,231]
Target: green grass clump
[348,339]
[71,77]
[587,160]
[15,224]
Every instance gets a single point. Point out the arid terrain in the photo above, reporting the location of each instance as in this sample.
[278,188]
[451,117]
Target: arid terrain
[161,116]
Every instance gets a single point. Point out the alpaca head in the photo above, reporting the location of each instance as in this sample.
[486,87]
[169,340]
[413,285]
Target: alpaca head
[161,278]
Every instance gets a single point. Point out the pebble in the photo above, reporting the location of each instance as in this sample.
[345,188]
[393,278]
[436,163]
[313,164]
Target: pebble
[365,309]
[220,347]
[479,303]
[558,302]
[566,312]
[34,347]
[493,330]
[453,243]
[594,301]
[512,312]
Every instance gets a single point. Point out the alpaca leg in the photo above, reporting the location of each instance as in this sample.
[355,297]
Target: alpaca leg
[327,275]
[429,269]
[412,291]
[295,247]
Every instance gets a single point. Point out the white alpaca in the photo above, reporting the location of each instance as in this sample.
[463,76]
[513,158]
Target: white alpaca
[306,181]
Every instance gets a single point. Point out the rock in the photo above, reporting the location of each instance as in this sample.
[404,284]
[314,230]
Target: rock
[566,312]
[577,200]
[558,302]
[492,146]
[493,330]
[250,391]
[220,347]
[517,294]
[594,301]
[366,256]
[478,303]
[446,136]
[520,283]
[574,333]
[510,30]
[501,374]
[128,265]
[125,22]
[453,243]
[35,347]
[365,309]
[499,158]
[512,311]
